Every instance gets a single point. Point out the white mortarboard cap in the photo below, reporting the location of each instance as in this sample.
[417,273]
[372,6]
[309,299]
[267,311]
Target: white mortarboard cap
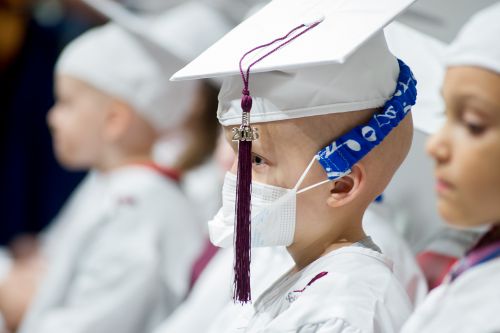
[478,44]
[150,6]
[425,55]
[133,57]
[442,19]
[235,10]
[341,65]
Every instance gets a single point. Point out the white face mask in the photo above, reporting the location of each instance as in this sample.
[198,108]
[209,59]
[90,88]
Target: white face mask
[273,213]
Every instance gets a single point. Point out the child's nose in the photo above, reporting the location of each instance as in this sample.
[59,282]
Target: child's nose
[50,118]
[437,148]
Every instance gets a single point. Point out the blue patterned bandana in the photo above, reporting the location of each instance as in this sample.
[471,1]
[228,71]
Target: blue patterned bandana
[338,157]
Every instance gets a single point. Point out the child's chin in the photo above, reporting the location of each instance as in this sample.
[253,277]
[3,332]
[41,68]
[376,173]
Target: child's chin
[451,214]
[69,163]
[456,218]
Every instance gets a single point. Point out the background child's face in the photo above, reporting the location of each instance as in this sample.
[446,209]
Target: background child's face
[77,122]
[467,149]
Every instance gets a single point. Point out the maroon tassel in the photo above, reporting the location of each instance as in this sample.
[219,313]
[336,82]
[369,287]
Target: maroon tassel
[245,134]
[243,234]
[242,290]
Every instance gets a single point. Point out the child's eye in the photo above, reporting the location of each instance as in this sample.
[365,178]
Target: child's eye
[475,129]
[474,125]
[257,160]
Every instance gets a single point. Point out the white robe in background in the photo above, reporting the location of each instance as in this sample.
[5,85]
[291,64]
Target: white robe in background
[377,223]
[470,304]
[119,256]
[68,218]
[5,263]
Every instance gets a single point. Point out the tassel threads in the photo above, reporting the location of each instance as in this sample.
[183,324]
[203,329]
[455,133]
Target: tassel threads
[245,134]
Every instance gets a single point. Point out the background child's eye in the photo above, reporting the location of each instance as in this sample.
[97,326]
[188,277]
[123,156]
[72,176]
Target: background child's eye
[473,123]
[475,129]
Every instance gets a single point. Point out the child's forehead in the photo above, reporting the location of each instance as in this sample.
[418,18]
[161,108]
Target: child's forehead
[306,134]
[472,84]
[278,135]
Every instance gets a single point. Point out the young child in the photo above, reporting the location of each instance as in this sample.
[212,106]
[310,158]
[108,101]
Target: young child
[116,264]
[327,79]
[467,154]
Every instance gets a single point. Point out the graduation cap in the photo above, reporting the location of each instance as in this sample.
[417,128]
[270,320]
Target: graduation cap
[297,59]
[477,42]
[133,56]
[434,18]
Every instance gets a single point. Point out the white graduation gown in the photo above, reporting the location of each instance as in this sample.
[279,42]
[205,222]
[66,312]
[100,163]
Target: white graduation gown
[123,260]
[210,300]
[468,305]
[359,294]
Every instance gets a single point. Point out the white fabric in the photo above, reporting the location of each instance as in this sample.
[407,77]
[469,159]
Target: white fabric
[332,42]
[211,305]
[359,294]
[453,242]
[468,305]
[210,300]
[116,266]
[425,56]
[339,66]
[272,216]
[236,10]
[367,79]
[393,246]
[5,262]
[133,58]
[150,6]
[208,177]
[71,215]
[477,43]
[435,19]
[377,222]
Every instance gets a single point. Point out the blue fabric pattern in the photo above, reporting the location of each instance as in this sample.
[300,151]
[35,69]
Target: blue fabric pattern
[338,157]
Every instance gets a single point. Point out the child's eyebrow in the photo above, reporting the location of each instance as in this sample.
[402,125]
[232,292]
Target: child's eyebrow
[484,102]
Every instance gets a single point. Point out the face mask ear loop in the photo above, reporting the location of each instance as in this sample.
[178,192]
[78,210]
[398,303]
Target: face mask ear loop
[313,186]
[340,175]
[304,174]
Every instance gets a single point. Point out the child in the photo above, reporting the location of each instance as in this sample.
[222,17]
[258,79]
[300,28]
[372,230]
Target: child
[341,282]
[116,265]
[467,155]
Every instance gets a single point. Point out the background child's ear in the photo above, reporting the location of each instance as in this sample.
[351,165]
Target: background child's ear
[118,117]
[347,188]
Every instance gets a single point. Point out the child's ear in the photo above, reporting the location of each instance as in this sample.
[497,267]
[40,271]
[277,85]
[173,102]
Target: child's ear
[118,118]
[347,188]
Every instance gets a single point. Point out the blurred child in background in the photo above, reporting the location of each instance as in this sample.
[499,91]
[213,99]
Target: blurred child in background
[119,256]
[466,151]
